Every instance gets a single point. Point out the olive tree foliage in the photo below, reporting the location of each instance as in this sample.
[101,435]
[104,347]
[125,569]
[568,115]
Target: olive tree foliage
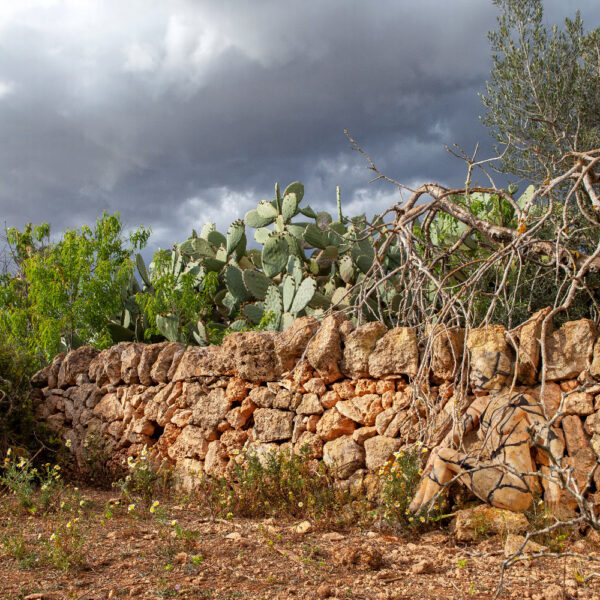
[543,99]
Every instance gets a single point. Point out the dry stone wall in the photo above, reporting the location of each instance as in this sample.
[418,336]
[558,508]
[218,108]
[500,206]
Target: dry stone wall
[346,394]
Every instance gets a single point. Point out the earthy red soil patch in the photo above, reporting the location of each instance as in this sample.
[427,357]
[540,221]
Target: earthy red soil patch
[127,557]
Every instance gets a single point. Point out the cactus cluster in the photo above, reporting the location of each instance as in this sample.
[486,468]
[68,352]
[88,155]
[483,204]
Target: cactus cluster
[306,263]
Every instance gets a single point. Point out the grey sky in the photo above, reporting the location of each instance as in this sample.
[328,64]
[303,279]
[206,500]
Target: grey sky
[178,112]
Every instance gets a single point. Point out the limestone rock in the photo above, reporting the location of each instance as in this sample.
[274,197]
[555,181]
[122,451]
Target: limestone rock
[238,417]
[160,369]
[343,456]
[175,364]
[216,459]
[575,437]
[330,399]
[109,408]
[514,542]
[309,445]
[362,434]
[315,386]
[344,389]
[271,425]
[569,350]
[396,353]
[209,410]
[358,346]
[324,352]
[365,386]
[236,390]
[491,358]
[55,369]
[202,362]
[529,334]
[189,472]
[333,425]
[253,355]
[291,343]
[579,403]
[310,405]
[550,399]
[130,359]
[263,397]
[584,462]
[234,440]
[447,348]
[595,366]
[147,359]
[379,449]
[361,409]
[473,523]
[75,362]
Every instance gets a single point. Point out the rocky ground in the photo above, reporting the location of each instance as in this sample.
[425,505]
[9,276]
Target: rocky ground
[131,554]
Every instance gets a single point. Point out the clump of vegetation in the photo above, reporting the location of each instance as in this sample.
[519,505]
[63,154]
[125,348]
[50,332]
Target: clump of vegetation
[277,483]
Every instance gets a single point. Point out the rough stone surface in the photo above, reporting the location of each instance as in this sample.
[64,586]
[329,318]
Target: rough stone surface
[575,437]
[203,362]
[271,425]
[491,358]
[290,344]
[109,408]
[529,334]
[333,425]
[75,362]
[579,403]
[209,409]
[160,369]
[396,353]
[130,359]
[253,355]
[595,366]
[446,351]
[344,456]
[310,405]
[514,542]
[379,449]
[473,523]
[149,355]
[569,350]
[358,346]
[324,352]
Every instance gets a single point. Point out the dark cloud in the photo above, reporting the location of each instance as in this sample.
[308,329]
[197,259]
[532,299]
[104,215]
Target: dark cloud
[180,112]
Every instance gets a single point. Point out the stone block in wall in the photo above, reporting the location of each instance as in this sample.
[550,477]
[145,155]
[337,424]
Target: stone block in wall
[263,397]
[189,472]
[324,351]
[56,422]
[234,440]
[159,371]
[491,358]
[291,343]
[310,405]
[130,359]
[569,350]
[216,459]
[208,410]
[550,399]
[579,403]
[575,436]
[333,425]
[75,362]
[365,386]
[379,449]
[149,355]
[344,389]
[238,417]
[343,456]
[584,462]
[395,354]
[109,408]
[330,399]
[362,434]
[595,366]
[309,445]
[208,361]
[529,335]
[236,390]
[175,363]
[447,347]
[358,346]
[592,424]
[190,443]
[315,385]
[272,425]
[361,409]
[253,355]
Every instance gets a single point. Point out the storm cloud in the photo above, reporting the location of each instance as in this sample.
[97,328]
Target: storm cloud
[180,112]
